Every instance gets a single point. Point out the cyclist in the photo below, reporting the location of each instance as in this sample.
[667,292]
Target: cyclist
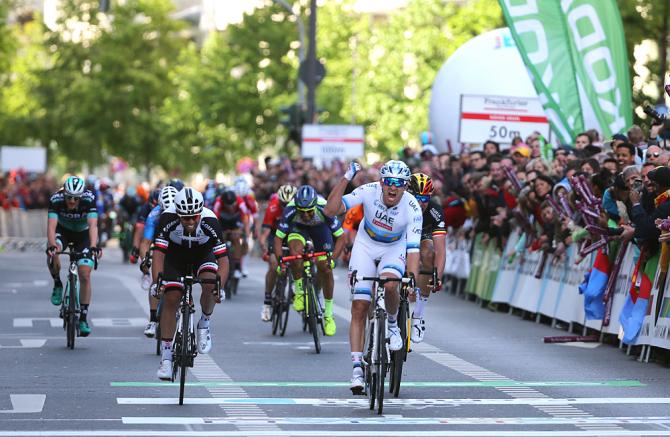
[73,218]
[273,214]
[165,201]
[243,190]
[233,217]
[390,235]
[188,235]
[150,201]
[303,219]
[433,247]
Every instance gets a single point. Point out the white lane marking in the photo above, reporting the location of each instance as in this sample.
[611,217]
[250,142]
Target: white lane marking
[27,322]
[27,343]
[395,420]
[289,343]
[396,402]
[580,344]
[100,322]
[328,433]
[26,403]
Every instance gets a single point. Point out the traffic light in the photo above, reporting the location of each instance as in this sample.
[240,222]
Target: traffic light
[293,120]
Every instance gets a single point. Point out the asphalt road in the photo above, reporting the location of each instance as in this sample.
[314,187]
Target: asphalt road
[478,373]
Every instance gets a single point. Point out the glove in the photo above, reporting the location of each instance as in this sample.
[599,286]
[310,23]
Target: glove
[154,290]
[51,251]
[96,251]
[134,255]
[354,168]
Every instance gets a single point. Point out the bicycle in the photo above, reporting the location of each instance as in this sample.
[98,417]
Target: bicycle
[312,315]
[70,310]
[281,302]
[184,342]
[377,357]
[399,357]
[232,282]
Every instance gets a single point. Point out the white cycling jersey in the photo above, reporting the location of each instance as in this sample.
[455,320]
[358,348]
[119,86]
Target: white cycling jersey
[387,225]
[384,235]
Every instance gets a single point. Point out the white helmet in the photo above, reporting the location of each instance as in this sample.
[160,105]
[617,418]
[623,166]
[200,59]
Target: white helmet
[74,186]
[286,193]
[167,196]
[241,187]
[188,201]
[395,169]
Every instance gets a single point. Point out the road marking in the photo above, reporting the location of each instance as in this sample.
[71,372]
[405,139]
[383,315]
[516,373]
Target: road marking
[509,385]
[290,343]
[99,322]
[27,343]
[394,420]
[26,404]
[328,433]
[363,402]
[580,344]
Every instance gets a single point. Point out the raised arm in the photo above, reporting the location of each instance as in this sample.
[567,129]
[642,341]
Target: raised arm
[334,206]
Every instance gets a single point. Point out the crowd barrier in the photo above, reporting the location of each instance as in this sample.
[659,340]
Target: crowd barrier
[555,294]
[21,229]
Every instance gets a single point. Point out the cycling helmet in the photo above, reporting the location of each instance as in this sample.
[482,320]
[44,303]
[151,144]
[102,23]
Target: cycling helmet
[229,197]
[74,186]
[306,197]
[177,183]
[167,197]
[188,202]
[421,184]
[395,169]
[286,193]
[155,196]
[241,187]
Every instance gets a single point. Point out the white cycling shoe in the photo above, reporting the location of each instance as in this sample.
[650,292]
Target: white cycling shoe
[395,339]
[418,329]
[357,382]
[164,372]
[266,313]
[150,330]
[204,340]
[237,274]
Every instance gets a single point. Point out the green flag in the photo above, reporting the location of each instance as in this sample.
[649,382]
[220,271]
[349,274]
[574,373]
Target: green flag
[576,56]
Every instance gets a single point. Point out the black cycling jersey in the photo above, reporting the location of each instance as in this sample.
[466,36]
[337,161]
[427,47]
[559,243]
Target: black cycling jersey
[206,239]
[230,222]
[433,221]
[73,219]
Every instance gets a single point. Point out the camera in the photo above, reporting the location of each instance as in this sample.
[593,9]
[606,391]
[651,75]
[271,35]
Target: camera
[638,185]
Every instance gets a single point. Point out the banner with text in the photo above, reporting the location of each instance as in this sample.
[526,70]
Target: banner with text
[332,141]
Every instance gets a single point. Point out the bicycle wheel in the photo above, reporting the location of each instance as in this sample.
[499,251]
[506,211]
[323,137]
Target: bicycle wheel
[229,286]
[71,318]
[158,338]
[184,352]
[277,305]
[399,356]
[382,361]
[311,307]
[369,369]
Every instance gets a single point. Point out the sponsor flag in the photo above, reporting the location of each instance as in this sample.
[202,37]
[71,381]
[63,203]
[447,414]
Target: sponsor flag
[594,307]
[575,52]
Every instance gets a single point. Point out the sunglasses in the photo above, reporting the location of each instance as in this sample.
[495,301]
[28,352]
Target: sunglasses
[72,198]
[655,155]
[394,182]
[423,198]
[185,218]
[306,210]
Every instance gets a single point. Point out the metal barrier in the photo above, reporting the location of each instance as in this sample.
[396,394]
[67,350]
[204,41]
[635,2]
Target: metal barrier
[22,230]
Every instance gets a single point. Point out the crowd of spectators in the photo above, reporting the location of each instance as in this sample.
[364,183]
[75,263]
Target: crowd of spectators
[20,189]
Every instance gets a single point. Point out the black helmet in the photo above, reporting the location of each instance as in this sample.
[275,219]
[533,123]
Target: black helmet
[229,197]
[177,183]
[306,197]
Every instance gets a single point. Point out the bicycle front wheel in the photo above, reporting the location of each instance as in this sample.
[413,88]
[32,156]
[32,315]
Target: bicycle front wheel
[382,361]
[184,352]
[71,318]
[399,356]
[311,306]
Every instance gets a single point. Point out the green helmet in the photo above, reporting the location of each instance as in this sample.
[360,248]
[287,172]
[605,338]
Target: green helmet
[74,186]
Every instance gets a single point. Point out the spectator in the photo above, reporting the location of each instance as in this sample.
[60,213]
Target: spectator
[491,148]
[625,155]
[582,140]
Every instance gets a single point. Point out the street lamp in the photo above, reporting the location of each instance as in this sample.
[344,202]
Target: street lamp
[301,50]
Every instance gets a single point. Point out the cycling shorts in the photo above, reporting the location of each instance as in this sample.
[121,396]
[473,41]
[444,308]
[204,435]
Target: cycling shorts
[320,234]
[81,242]
[176,266]
[370,258]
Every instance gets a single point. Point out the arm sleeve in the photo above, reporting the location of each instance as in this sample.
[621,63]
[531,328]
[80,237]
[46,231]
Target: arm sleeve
[440,226]
[358,196]
[162,238]
[283,226]
[91,210]
[150,225]
[414,225]
[335,226]
[270,215]
[216,233]
[52,212]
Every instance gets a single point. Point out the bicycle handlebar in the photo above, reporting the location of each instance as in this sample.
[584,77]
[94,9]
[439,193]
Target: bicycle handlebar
[304,256]
[72,254]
